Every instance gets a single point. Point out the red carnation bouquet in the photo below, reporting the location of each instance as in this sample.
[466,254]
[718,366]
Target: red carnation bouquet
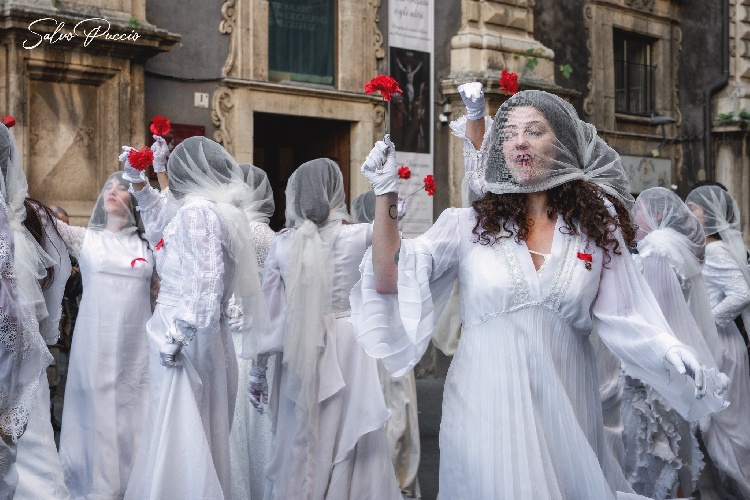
[141,160]
[160,125]
[509,82]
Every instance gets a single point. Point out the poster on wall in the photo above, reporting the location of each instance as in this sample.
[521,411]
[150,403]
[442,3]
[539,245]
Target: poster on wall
[645,172]
[410,116]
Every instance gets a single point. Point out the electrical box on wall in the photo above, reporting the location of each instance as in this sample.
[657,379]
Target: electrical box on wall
[200,100]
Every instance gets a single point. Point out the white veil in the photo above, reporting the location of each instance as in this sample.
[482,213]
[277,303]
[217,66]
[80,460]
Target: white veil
[720,215]
[520,163]
[110,206]
[315,208]
[666,227]
[200,169]
[363,207]
[262,207]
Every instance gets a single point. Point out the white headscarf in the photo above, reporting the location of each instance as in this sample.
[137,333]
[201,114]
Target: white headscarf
[262,207]
[573,151]
[201,169]
[315,208]
[666,227]
[363,207]
[721,216]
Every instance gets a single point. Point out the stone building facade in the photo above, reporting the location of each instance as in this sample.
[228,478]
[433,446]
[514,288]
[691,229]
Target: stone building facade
[76,99]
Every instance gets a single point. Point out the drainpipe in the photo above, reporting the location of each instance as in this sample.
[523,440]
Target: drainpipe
[712,89]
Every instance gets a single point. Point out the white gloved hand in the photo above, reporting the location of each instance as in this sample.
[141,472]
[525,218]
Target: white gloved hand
[685,361]
[168,355]
[161,152]
[401,209]
[380,167]
[257,389]
[473,97]
[131,174]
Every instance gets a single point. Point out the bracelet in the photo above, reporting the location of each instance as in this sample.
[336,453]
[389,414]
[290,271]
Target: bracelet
[394,217]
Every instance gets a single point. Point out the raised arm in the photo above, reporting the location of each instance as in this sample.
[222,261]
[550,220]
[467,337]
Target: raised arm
[72,236]
[473,97]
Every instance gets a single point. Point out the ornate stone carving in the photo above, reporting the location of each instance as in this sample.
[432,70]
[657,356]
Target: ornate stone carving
[228,26]
[378,36]
[222,103]
[588,101]
[647,5]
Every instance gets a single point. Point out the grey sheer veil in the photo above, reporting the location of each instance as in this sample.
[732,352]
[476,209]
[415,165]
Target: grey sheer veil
[261,207]
[363,207]
[527,155]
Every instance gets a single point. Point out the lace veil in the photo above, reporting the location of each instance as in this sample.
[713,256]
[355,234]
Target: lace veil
[363,207]
[114,207]
[666,227]
[261,208]
[315,208]
[537,142]
[720,215]
[201,169]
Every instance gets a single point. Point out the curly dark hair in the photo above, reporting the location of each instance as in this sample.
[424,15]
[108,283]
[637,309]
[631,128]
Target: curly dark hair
[579,202]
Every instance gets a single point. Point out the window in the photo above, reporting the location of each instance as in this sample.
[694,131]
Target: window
[301,36]
[634,73]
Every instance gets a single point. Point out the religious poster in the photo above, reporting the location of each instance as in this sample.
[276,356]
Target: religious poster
[411,40]
[645,172]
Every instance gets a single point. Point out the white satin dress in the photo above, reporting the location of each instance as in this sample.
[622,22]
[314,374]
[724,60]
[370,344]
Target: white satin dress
[522,416]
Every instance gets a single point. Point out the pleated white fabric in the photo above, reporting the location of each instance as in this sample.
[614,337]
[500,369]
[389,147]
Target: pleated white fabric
[349,458]
[726,434]
[107,387]
[522,416]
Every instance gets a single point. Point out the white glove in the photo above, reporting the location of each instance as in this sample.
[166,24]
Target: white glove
[131,174]
[168,355]
[684,361]
[380,167]
[473,97]
[401,208]
[161,151]
[257,389]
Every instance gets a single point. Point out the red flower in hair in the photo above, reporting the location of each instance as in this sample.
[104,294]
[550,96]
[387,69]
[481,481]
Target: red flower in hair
[429,185]
[141,160]
[404,172]
[385,84]
[509,82]
[8,121]
[160,125]
[137,259]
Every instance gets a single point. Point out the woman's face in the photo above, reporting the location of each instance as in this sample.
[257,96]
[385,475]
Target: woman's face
[529,145]
[698,212]
[116,197]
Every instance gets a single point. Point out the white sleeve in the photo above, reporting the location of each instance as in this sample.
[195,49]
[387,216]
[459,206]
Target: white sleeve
[73,237]
[475,162]
[722,270]
[151,205]
[275,293]
[397,328]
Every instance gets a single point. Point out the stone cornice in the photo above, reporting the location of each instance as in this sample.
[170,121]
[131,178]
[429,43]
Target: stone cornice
[303,91]
[15,20]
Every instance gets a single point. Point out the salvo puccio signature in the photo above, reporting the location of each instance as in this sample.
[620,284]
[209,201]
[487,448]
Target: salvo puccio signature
[89,29]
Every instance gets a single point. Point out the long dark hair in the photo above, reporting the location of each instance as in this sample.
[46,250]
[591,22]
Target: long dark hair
[580,203]
[35,225]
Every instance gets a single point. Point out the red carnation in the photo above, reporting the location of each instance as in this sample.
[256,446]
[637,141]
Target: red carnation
[160,125]
[385,84]
[429,185]
[8,121]
[404,172]
[141,160]
[509,82]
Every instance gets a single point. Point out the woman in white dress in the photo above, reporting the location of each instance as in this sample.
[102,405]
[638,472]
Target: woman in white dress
[250,440]
[326,404]
[402,429]
[23,353]
[207,255]
[522,416]
[727,278]
[107,388]
[662,450]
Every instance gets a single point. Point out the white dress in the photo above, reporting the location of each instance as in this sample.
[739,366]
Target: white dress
[40,474]
[250,440]
[522,416]
[727,434]
[352,459]
[185,448]
[107,387]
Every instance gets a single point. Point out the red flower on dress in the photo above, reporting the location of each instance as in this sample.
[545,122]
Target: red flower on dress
[137,259]
[404,172]
[160,244]
[385,84]
[141,160]
[160,125]
[429,185]
[509,82]
[8,121]
[586,258]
